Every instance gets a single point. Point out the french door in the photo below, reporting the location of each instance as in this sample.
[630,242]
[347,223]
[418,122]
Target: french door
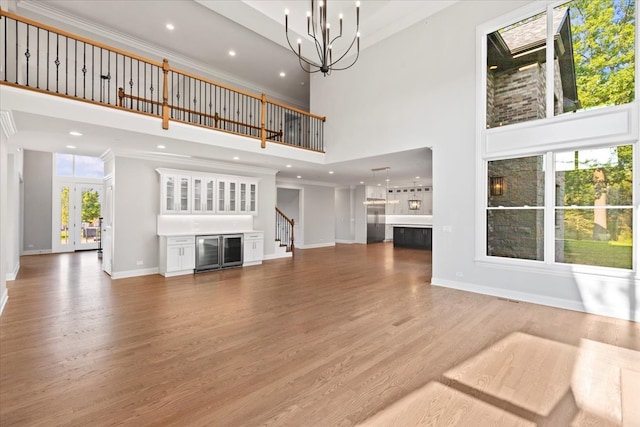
[76,213]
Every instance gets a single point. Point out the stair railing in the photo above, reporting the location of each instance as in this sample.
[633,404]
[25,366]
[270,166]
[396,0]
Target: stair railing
[284,230]
[45,59]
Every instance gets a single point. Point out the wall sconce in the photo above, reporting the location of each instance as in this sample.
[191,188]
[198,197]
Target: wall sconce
[414,205]
[496,185]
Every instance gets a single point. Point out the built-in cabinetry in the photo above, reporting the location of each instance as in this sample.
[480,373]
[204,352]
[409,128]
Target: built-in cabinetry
[412,237]
[253,248]
[204,190]
[185,192]
[177,255]
[176,193]
[398,201]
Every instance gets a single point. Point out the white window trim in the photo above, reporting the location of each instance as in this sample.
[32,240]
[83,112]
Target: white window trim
[625,131]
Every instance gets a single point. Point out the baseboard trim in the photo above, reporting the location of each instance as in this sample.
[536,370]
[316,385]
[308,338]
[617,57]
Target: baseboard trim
[346,242]
[317,245]
[3,300]
[133,273]
[277,256]
[12,276]
[602,310]
[37,252]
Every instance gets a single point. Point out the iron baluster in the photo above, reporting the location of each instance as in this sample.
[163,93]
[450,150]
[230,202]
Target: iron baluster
[27,55]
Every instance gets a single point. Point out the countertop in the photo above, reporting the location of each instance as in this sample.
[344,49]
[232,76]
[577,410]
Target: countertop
[207,233]
[412,225]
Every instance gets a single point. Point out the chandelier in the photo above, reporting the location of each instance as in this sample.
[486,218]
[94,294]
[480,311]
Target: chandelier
[319,29]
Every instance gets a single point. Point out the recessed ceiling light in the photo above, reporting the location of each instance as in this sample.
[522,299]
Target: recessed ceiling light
[395,186]
[232,53]
[71,146]
[298,177]
[361,182]
[387,180]
[236,158]
[419,185]
[417,177]
[330,172]
[170,27]
[162,147]
[379,185]
[282,74]
[75,133]
[288,166]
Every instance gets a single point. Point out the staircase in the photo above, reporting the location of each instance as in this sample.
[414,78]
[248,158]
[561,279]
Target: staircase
[284,233]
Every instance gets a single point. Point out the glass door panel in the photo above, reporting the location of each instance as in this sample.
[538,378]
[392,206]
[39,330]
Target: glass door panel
[65,230]
[88,209]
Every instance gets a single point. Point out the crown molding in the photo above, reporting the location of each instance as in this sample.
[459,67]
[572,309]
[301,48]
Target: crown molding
[50,12]
[7,124]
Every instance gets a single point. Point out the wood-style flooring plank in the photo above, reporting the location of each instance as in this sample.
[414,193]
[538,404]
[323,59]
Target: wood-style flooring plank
[333,337]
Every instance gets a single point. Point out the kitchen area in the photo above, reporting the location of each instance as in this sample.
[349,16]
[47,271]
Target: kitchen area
[400,215]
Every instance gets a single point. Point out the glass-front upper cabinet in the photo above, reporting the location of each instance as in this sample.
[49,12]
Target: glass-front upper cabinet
[248,193]
[203,194]
[227,196]
[176,194]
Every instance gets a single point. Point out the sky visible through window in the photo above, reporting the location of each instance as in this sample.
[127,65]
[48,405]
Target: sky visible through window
[79,166]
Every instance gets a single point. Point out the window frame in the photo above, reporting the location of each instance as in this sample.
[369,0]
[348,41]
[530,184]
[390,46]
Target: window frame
[595,128]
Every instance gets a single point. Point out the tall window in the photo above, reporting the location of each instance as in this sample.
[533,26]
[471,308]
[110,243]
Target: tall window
[592,209]
[593,62]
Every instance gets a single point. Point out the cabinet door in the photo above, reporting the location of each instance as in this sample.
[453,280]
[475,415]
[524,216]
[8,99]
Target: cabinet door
[174,258]
[188,258]
[203,189]
[168,194]
[197,205]
[253,198]
[233,196]
[222,196]
[176,194]
[243,197]
[184,194]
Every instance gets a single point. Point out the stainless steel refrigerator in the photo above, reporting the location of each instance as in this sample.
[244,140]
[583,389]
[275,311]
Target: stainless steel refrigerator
[375,220]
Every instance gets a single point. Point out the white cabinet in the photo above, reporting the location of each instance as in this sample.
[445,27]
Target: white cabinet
[177,255]
[227,196]
[204,190]
[253,248]
[176,194]
[207,193]
[247,197]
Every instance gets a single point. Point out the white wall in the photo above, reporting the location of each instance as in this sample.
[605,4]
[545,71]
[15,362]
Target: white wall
[38,176]
[4,224]
[345,221]
[14,213]
[137,204]
[360,214]
[417,89]
[319,216]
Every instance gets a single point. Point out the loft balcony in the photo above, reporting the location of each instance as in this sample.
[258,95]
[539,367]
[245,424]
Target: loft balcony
[44,59]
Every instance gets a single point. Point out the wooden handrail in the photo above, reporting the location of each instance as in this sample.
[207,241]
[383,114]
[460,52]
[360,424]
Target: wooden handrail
[164,107]
[292,223]
[77,37]
[122,94]
[297,110]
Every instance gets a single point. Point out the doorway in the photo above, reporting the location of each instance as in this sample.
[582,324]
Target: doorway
[76,213]
[289,200]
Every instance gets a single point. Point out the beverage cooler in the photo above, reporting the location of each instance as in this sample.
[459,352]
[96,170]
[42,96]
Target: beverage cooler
[218,251]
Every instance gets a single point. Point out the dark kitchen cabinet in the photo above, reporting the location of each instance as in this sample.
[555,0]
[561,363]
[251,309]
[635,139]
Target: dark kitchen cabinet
[412,237]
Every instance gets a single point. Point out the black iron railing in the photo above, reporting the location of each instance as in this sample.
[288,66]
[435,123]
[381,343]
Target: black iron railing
[284,230]
[39,57]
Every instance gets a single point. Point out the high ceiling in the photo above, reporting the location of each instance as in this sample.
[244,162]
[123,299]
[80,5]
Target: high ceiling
[204,32]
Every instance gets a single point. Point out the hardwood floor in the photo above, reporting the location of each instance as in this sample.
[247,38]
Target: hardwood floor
[335,337]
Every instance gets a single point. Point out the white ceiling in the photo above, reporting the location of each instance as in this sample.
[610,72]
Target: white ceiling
[205,30]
